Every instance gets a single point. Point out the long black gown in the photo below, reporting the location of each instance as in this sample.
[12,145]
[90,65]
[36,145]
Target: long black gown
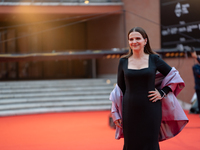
[141,117]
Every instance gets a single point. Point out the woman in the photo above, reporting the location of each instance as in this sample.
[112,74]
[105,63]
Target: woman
[141,105]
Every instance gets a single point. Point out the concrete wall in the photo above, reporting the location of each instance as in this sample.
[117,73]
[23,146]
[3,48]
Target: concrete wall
[104,34]
[99,34]
[143,13]
[146,14]
[184,66]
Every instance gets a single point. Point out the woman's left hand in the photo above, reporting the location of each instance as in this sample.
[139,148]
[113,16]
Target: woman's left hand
[155,95]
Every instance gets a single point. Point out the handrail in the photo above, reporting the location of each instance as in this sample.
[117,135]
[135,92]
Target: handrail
[62,55]
[70,55]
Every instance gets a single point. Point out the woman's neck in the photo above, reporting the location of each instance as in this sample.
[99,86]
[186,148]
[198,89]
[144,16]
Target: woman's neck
[138,55]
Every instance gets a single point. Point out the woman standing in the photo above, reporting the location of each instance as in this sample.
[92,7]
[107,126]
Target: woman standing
[141,105]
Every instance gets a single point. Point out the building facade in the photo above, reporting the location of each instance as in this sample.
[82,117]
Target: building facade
[74,26]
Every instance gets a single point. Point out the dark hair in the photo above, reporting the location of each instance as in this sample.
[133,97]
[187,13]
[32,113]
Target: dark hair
[147,48]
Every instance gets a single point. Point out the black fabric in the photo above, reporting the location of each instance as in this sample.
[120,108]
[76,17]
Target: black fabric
[198,59]
[196,73]
[141,117]
[195,106]
[166,90]
[198,98]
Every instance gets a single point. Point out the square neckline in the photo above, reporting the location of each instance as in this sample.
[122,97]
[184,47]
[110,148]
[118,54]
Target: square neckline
[141,68]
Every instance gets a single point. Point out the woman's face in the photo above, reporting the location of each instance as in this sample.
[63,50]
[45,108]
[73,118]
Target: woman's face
[136,41]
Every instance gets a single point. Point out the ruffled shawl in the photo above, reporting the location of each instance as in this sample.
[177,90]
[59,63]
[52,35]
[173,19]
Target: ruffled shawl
[174,118]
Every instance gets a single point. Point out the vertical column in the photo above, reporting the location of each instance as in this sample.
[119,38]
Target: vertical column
[11,49]
[3,66]
[35,70]
[93,68]
[22,47]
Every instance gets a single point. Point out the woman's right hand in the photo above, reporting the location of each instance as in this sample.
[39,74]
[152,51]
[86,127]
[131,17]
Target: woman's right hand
[118,123]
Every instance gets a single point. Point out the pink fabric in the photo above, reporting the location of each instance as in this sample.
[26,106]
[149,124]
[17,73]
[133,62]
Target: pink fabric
[173,116]
[116,97]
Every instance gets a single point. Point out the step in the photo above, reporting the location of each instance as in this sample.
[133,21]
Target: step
[49,99]
[54,104]
[53,110]
[31,97]
[49,85]
[50,89]
[53,82]
[83,93]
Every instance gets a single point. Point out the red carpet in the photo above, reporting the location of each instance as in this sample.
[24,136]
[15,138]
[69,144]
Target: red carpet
[79,131]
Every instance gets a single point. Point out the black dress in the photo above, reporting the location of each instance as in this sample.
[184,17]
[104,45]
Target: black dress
[141,117]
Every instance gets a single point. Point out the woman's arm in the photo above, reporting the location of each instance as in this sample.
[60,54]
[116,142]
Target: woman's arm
[163,68]
[120,76]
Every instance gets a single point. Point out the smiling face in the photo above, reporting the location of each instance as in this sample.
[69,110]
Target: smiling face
[136,41]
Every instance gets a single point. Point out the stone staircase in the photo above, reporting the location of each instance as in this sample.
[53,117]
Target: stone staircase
[45,96]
